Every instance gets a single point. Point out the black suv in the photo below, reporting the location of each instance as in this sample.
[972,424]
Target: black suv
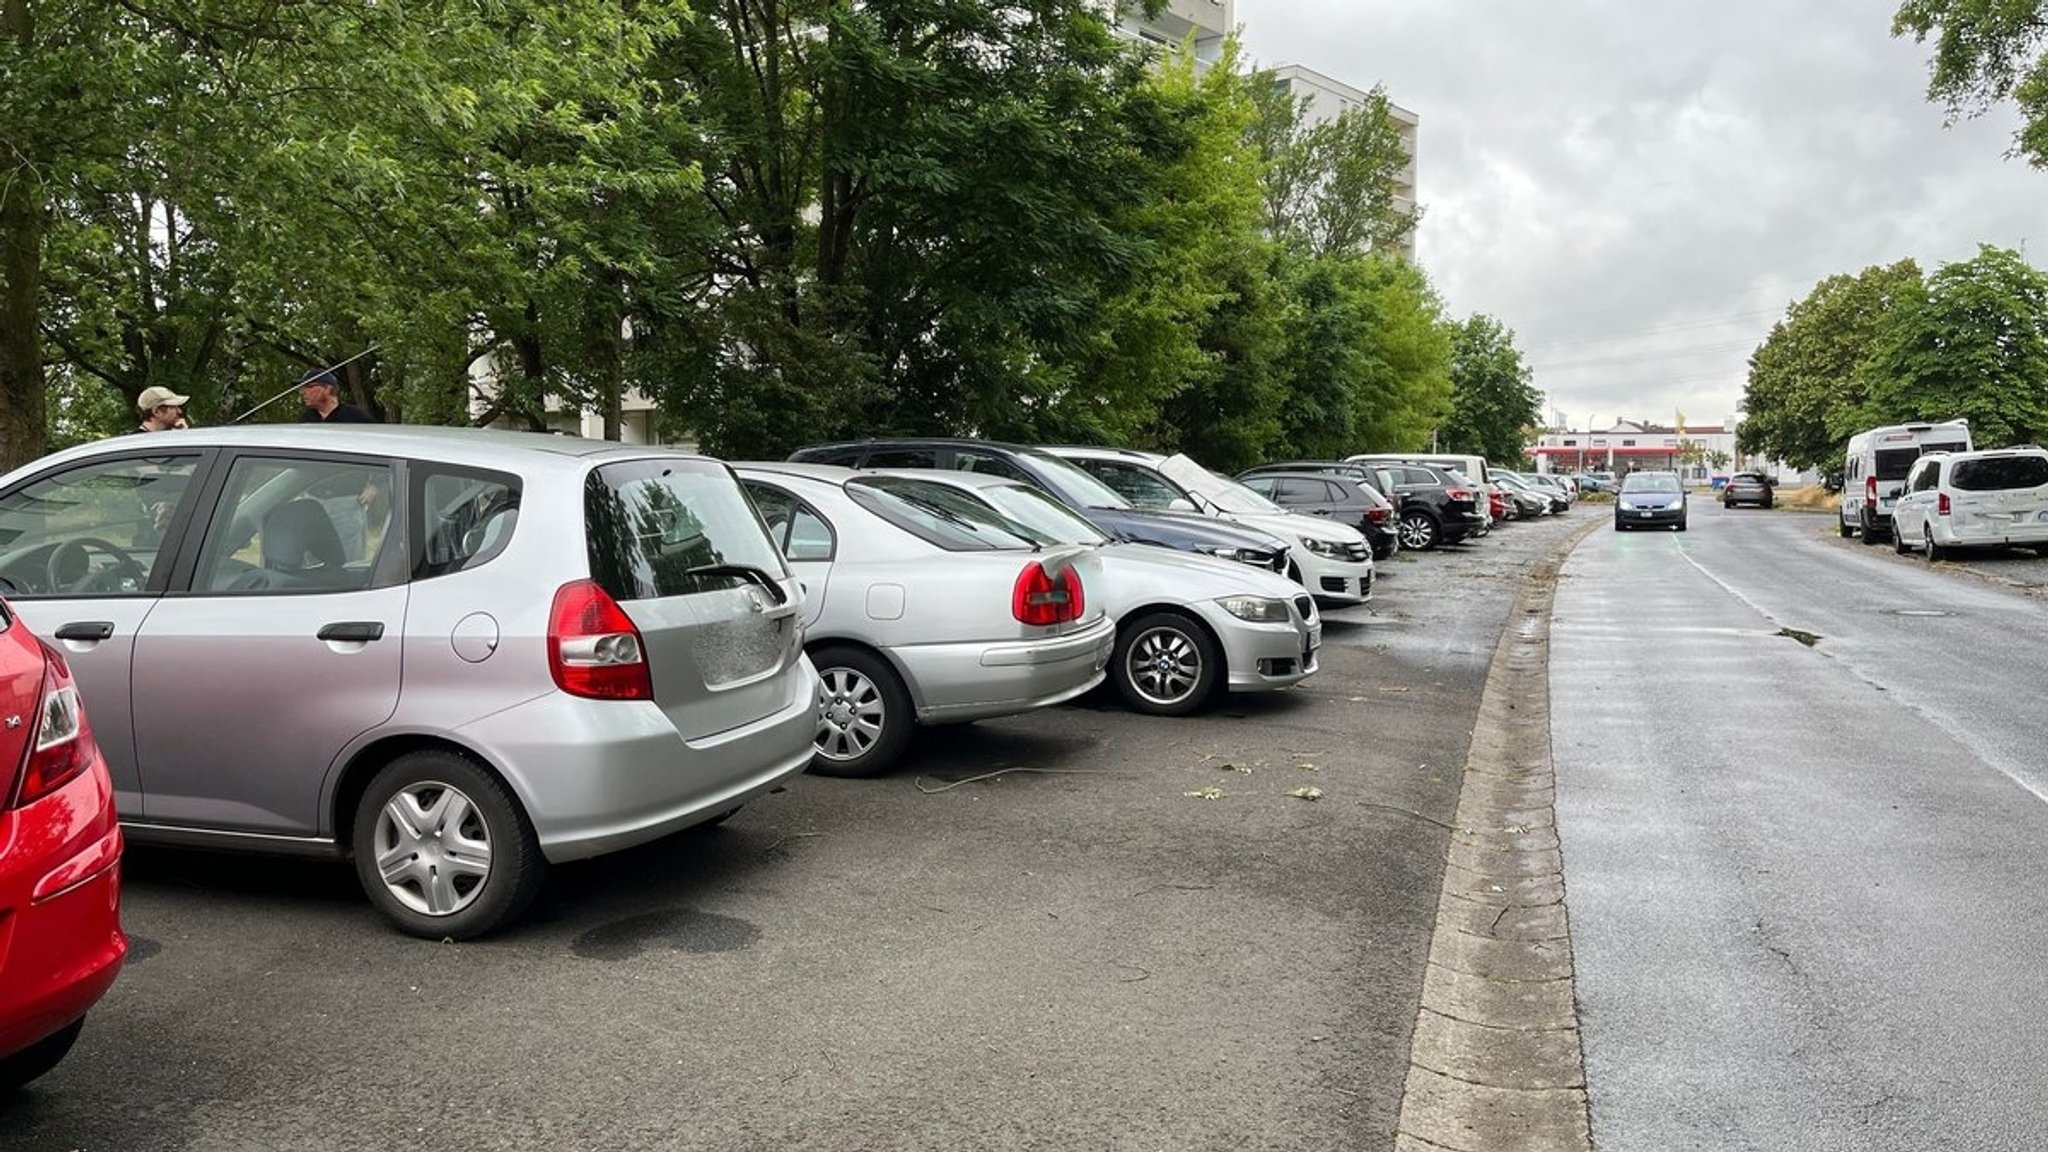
[1093,500]
[1437,505]
[1343,499]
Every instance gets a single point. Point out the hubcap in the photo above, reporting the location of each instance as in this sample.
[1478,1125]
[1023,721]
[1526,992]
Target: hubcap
[850,714]
[433,848]
[1164,665]
[1415,533]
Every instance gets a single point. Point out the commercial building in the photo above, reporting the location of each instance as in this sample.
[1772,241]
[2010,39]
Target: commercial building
[1695,452]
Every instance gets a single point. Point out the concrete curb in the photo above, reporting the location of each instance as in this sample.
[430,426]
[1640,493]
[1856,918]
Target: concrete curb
[1494,1062]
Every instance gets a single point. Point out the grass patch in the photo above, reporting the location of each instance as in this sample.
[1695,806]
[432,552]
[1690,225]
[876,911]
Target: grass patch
[1811,498]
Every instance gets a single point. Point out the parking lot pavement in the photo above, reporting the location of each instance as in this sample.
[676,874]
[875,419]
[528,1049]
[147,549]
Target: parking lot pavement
[1077,954]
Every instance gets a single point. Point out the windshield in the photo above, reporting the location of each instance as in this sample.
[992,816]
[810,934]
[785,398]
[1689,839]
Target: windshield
[1650,482]
[1040,514]
[1077,485]
[1228,495]
[942,514]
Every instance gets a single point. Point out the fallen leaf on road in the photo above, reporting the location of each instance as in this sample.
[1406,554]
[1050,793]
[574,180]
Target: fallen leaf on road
[1310,793]
[1394,688]
[1206,794]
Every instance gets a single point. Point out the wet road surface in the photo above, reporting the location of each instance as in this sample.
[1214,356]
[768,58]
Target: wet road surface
[1803,801]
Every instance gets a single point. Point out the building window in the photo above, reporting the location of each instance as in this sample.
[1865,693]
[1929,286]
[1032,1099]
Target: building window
[1570,443]
[1628,443]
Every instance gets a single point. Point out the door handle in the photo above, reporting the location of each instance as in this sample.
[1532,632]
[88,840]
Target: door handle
[87,630]
[353,631]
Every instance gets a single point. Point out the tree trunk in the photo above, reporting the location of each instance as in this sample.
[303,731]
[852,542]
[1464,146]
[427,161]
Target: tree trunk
[23,417]
[24,431]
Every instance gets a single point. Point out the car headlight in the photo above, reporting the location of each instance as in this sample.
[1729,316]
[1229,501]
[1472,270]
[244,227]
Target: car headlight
[1243,555]
[1322,547]
[1257,609]
[1628,505]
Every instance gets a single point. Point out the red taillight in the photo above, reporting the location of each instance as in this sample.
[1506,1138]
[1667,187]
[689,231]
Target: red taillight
[1377,515]
[1458,494]
[593,648]
[1941,506]
[1870,489]
[1040,598]
[63,747]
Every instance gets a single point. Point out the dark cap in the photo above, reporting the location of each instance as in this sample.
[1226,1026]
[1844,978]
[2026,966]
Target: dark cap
[318,376]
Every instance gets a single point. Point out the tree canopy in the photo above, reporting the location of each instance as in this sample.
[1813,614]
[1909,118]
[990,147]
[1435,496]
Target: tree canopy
[1986,51]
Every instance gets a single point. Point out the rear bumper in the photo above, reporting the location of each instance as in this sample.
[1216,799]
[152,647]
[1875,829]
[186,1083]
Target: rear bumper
[60,951]
[596,776]
[1988,535]
[955,683]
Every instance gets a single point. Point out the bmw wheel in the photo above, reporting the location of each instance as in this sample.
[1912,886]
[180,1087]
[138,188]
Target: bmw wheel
[1165,664]
[443,849]
[864,714]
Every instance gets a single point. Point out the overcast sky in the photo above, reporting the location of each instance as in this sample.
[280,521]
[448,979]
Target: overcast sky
[1639,189]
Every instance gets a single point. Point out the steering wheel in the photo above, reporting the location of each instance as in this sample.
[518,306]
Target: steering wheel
[70,565]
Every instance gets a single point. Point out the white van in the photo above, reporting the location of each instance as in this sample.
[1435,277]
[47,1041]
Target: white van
[1875,472]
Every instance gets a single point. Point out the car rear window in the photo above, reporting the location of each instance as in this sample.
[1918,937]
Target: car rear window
[1997,473]
[939,514]
[656,527]
[1894,463]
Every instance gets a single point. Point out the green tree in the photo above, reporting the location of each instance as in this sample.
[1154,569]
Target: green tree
[1332,186]
[1493,401]
[1974,346]
[1986,51]
[1807,380]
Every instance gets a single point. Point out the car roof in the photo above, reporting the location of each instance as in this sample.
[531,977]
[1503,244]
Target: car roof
[482,447]
[823,473]
[924,441]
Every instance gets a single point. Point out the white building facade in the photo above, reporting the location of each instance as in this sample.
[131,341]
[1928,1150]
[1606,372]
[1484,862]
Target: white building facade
[1202,24]
[1689,450]
[1328,98]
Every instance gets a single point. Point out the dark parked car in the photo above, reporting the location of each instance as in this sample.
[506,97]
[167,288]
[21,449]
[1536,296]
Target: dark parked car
[1436,505]
[1340,498]
[1096,502]
[1747,488]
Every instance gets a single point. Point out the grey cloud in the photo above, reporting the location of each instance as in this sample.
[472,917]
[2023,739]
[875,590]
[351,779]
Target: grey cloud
[1640,189]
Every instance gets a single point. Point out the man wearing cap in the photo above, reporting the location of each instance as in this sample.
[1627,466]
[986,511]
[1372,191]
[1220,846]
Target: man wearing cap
[162,410]
[323,402]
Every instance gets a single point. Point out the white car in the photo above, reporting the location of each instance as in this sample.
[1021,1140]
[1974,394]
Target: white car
[1973,499]
[1333,561]
[1188,628]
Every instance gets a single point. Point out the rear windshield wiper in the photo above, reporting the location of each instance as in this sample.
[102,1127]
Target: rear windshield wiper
[746,572]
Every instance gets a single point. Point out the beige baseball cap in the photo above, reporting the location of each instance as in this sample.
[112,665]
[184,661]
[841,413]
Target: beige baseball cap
[151,398]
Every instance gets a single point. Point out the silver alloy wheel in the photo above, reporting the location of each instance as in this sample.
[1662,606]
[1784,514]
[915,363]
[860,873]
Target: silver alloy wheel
[850,714]
[1163,665]
[1417,533]
[433,848]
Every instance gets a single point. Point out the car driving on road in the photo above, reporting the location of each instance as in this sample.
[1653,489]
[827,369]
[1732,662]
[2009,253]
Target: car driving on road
[1649,500]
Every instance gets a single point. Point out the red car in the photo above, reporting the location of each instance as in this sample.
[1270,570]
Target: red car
[60,855]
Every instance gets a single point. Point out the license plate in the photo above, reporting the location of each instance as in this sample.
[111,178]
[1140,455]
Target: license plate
[1646,513]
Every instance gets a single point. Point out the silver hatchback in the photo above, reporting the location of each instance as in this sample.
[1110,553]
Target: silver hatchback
[453,655]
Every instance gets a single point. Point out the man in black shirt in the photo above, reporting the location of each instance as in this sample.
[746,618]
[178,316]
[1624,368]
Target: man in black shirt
[317,390]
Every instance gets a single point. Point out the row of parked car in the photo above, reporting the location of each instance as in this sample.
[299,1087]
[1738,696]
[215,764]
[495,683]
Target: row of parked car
[455,657]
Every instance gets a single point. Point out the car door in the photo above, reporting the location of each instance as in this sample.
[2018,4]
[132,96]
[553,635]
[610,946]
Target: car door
[807,541]
[276,646]
[1308,495]
[85,552]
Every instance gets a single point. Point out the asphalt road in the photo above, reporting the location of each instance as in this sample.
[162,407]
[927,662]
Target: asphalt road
[1803,881]
[1080,957]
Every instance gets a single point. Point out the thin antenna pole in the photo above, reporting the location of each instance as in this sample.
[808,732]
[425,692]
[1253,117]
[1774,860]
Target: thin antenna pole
[295,387]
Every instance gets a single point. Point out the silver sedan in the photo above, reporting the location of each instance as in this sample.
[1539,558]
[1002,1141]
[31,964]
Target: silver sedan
[1189,628]
[918,614]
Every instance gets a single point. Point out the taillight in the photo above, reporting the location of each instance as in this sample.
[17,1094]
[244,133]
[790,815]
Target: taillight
[593,648]
[1458,494]
[1941,505]
[63,747]
[1870,489]
[1377,515]
[1040,598]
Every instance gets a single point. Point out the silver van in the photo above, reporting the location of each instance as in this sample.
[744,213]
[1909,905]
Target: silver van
[453,655]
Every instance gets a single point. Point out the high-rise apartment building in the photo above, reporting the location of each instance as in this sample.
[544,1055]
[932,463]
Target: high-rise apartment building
[1329,98]
[1207,23]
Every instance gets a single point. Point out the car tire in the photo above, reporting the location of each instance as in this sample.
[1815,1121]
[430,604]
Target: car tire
[1868,533]
[1165,664]
[1619,526]
[1899,545]
[864,713]
[1844,527]
[1680,526]
[412,808]
[1929,548]
[38,1058]
[1768,501]
[1419,532]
